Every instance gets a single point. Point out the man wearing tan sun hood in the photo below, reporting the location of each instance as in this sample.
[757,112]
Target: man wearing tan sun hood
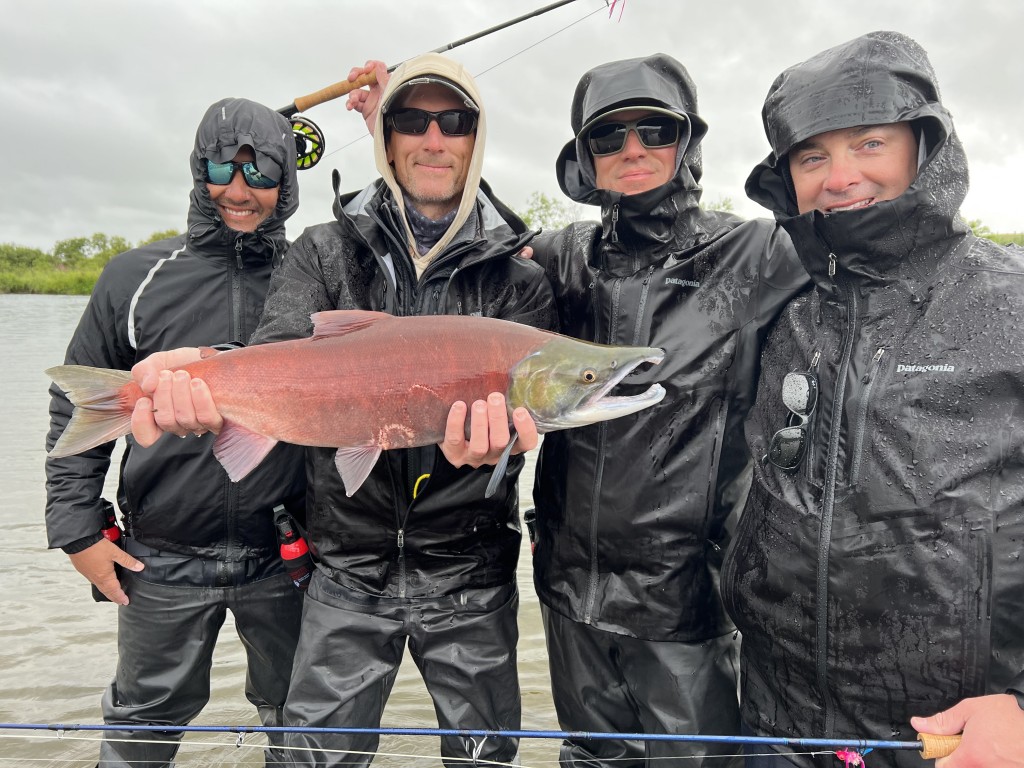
[417,557]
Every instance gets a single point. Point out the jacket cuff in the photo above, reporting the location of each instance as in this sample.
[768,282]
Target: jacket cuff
[80,545]
[1019,695]
[1016,688]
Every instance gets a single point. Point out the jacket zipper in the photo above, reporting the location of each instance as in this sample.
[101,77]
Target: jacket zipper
[236,333]
[437,296]
[595,497]
[828,503]
[862,416]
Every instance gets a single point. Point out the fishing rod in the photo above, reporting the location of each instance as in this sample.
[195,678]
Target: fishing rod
[309,139]
[930,746]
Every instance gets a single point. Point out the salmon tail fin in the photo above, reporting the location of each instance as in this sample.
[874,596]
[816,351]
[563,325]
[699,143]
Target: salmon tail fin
[102,411]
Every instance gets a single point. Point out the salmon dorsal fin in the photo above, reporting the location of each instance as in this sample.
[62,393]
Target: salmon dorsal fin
[339,322]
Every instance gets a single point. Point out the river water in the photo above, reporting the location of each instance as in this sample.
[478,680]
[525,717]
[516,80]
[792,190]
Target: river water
[58,648]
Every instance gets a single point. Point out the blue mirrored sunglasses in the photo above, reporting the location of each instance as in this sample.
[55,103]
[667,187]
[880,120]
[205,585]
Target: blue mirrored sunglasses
[222,173]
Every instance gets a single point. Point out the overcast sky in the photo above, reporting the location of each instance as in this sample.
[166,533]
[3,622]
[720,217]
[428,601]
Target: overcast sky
[100,100]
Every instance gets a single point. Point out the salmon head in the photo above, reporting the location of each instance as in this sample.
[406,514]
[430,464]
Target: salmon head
[566,383]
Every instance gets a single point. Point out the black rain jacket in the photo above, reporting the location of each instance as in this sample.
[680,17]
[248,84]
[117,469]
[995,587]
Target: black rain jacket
[382,540]
[883,578]
[192,290]
[633,514]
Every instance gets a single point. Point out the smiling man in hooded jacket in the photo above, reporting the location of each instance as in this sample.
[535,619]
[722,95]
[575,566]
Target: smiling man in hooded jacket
[195,544]
[876,572]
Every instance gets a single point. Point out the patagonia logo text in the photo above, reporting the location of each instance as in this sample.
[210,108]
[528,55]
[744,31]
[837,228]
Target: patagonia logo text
[901,368]
[679,281]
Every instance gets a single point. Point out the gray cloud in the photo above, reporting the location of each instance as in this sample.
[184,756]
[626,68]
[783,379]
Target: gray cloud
[100,100]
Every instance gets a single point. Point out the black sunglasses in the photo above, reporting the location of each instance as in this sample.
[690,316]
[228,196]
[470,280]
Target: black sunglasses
[220,174]
[452,122]
[800,396]
[654,131]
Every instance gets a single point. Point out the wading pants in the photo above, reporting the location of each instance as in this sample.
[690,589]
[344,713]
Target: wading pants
[351,645]
[606,682]
[165,642]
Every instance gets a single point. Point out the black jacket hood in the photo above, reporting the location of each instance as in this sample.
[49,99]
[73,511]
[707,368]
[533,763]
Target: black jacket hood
[227,126]
[657,80]
[879,78]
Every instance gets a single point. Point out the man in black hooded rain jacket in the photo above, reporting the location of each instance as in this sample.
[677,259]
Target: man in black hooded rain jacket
[876,573]
[633,514]
[417,556]
[195,544]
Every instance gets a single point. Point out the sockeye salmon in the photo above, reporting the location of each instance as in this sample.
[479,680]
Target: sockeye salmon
[368,381]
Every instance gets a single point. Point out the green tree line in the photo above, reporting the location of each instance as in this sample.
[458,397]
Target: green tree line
[73,265]
[70,268]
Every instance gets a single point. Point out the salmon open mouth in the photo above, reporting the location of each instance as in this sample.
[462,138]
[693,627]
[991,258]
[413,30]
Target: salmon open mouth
[603,402]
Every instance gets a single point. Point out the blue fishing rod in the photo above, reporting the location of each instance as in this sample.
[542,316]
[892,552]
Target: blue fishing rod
[929,746]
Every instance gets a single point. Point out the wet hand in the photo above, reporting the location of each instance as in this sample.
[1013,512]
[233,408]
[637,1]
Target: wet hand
[991,727]
[96,563]
[177,404]
[366,100]
[488,432]
[146,372]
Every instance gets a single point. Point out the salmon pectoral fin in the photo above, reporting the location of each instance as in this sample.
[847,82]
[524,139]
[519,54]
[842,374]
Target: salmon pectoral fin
[240,450]
[355,464]
[501,468]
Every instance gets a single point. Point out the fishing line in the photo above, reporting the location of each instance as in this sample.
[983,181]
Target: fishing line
[494,66]
[542,40]
[184,759]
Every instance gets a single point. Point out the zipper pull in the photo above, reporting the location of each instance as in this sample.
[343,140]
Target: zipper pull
[615,223]
[831,265]
[401,538]
[238,251]
[873,367]
[815,359]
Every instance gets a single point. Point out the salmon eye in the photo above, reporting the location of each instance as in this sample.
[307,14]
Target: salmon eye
[589,376]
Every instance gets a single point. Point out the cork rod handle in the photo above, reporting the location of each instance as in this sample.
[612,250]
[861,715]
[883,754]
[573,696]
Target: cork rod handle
[934,746]
[302,103]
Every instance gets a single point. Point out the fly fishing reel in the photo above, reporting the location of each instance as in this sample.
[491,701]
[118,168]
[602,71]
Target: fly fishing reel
[309,142]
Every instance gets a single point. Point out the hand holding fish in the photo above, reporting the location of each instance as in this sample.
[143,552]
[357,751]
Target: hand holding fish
[991,726]
[365,101]
[177,403]
[96,563]
[489,433]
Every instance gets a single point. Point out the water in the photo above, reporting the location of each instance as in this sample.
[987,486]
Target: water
[58,647]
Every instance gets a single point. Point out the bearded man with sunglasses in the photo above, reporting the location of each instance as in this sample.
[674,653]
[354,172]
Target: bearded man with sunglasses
[633,515]
[876,574]
[194,544]
[418,556]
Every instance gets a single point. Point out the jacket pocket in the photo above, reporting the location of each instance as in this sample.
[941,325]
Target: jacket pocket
[910,609]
